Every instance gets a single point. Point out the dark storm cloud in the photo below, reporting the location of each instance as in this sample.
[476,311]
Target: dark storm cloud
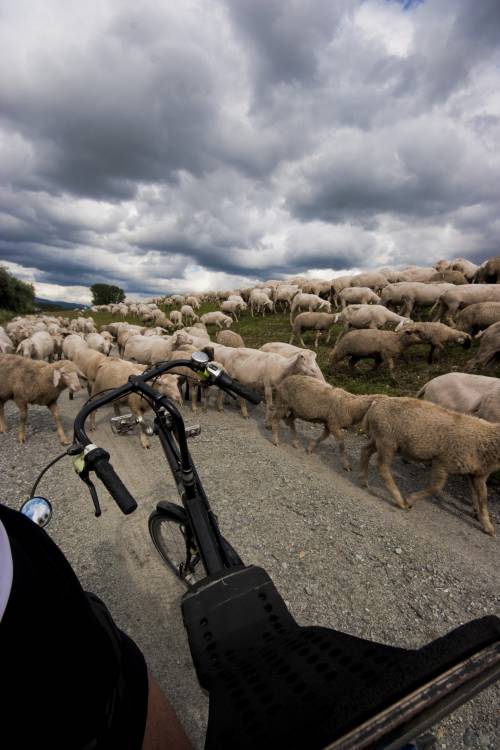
[140,144]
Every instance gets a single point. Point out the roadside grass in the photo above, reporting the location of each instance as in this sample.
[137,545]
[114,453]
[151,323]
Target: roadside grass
[259,330]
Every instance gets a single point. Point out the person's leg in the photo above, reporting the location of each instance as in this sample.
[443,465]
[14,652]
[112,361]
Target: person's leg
[163,729]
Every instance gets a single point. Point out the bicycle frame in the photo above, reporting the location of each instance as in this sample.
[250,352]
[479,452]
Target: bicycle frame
[168,423]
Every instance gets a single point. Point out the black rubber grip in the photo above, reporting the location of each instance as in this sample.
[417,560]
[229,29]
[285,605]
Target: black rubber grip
[98,461]
[233,385]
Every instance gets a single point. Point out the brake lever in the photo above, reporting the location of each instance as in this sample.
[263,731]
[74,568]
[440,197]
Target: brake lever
[79,465]
[93,494]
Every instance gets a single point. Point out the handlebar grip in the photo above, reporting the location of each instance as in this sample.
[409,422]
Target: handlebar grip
[97,460]
[233,385]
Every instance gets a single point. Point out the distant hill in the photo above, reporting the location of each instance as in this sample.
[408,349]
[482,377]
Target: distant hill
[58,304]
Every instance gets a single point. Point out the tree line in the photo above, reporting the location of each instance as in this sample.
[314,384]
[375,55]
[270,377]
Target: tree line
[18,296]
[15,295]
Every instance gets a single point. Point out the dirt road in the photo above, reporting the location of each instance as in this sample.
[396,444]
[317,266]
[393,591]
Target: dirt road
[341,556]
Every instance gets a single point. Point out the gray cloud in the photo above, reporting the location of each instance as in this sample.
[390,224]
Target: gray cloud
[245,139]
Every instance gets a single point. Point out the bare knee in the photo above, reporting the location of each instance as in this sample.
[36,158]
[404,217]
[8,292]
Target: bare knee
[163,728]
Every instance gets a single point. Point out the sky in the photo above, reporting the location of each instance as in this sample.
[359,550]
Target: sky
[207,144]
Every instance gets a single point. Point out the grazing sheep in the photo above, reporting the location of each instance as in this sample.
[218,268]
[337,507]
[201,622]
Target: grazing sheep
[71,344]
[382,346]
[28,381]
[368,316]
[188,313]
[260,302]
[448,277]
[216,318]
[176,318]
[451,442]
[149,350]
[263,371]
[98,343]
[88,361]
[302,397]
[488,272]
[284,294]
[231,307]
[370,279]
[38,346]
[312,321]
[477,395]
[309,302]
[437,335]
[489,348]
[361,295]
[338,284]
[410,294]
[194,302]
[461,296]
[113,373]
[477,317]
[6,345]
[288,350]
[230,338]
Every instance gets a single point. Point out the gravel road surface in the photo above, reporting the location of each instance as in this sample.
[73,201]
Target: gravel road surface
[341,556]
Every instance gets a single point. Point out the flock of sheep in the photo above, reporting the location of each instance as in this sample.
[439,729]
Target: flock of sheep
[453,424]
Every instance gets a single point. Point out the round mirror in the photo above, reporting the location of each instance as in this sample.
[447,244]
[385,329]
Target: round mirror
[38,510]
[200,358]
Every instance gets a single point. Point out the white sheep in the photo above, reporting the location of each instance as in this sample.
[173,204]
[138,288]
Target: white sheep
[262,371]
[310,302]
[260,301]
[28,381]
[477,395]
[188,313]
[452,443]
[98,342]
[216,318]
[38,346]
[369,316]
[361,295]
[302,397]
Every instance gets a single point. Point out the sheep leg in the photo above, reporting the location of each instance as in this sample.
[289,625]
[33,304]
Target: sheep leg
[292,337]
[290,421]
[366,452]
[243,407]
[439,475]
[54,410]
[317,338]
[205,398]
[389,363]
[314,443]
[302,341]
[23,416]
[220,400]
[430,358]
[338,434]
[352,362]
[117,410]
[385,473]
[194,396]
[377,361]
[143,438]
[268,395]
[479,485]
[3,424]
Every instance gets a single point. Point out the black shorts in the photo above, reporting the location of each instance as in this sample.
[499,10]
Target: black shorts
[69,678]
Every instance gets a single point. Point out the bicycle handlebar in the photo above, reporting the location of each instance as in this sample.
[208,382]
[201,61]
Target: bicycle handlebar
[97,459]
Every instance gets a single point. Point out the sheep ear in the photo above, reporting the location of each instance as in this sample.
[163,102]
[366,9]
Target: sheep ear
[56,377]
